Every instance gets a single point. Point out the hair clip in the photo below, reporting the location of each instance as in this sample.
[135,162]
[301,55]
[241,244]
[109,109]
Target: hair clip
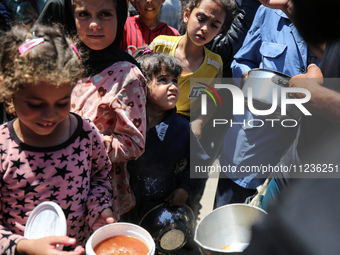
[75,49]
[148,51]
[26,46]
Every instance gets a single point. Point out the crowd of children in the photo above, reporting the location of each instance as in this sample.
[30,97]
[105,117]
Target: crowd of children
[97,109]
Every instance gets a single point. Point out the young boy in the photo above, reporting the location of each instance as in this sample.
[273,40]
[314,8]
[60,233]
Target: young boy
[141,29]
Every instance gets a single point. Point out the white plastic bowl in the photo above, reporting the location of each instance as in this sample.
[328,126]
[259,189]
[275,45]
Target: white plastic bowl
[119,228]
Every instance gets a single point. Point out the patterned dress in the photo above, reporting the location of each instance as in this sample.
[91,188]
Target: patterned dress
[115,101]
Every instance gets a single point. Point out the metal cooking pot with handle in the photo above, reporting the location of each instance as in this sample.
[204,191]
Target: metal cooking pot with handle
[262,82]
[227,227]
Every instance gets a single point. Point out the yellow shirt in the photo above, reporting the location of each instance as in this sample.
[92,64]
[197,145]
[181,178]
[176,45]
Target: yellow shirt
[211,67]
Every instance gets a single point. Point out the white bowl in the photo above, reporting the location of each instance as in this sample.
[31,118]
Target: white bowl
[119,228]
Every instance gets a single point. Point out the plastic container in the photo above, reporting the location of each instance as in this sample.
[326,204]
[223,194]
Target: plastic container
[47,219]
[119,228]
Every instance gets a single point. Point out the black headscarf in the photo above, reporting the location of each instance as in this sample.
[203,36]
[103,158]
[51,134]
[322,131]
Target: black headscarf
[61,11]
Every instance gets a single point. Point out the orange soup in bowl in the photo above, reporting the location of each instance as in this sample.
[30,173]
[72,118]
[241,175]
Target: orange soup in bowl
[118,245]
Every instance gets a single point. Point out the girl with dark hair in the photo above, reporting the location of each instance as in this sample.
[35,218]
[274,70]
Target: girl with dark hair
[112,92]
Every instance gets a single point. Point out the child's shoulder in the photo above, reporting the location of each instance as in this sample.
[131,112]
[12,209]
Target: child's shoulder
[168,30]
[213,59]
[165,41]
[5,131]
[120,68]
[86,128]
[213,56]
[132,20]
[179,122]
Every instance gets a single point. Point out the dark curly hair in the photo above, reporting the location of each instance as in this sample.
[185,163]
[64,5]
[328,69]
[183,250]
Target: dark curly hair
[52,61]
[152,63]
[229,6]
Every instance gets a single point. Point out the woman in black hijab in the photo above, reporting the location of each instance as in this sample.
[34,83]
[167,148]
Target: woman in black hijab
[113,92]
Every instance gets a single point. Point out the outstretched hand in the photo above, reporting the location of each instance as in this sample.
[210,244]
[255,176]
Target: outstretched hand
[47,246]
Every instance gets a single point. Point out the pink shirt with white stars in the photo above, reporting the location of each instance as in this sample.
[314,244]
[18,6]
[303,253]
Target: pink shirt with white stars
[73,174]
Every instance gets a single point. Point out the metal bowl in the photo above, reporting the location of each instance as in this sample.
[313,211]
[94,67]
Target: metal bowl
[227,226]
[170,227]
[262,82]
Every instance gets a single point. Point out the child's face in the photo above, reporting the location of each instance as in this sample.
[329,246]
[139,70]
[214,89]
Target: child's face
[204,22]
[96,22]
[40,108]
[149,9]
[163,91]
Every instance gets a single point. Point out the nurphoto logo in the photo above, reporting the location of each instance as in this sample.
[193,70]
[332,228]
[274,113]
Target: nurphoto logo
[239,100]
[277,108]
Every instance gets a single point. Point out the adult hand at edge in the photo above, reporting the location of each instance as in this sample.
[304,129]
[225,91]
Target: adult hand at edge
[285,5]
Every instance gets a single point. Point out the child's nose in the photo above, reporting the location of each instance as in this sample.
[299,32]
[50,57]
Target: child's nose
[204,27]
[95,24]
[49,112]
[173,86]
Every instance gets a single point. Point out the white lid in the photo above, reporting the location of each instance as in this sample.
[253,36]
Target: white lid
[47,219]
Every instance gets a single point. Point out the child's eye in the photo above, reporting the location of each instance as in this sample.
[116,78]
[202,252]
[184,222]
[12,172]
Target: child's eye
[83,14]
[199,18]
[214,25]
[162,80]
[106,14]
[174,81]
[62,105]
[35,105]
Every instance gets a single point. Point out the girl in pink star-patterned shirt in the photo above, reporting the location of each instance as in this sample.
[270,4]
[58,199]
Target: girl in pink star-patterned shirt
[48,153]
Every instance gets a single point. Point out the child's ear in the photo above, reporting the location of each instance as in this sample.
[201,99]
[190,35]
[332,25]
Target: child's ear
[186,15]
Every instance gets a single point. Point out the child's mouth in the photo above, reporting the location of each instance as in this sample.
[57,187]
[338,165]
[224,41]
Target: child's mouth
[46,125]
[95,36]
[200,37]
[172,96]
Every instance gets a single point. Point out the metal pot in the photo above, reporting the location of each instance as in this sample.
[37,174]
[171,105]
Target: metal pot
[227,226]
[262,82]
[170,227]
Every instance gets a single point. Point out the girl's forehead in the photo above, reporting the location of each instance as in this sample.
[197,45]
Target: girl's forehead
[210,7]
[95,4]
[166,71]
[45,90]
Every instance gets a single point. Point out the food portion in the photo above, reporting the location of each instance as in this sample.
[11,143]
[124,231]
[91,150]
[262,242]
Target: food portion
[119,245]
[235,247]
